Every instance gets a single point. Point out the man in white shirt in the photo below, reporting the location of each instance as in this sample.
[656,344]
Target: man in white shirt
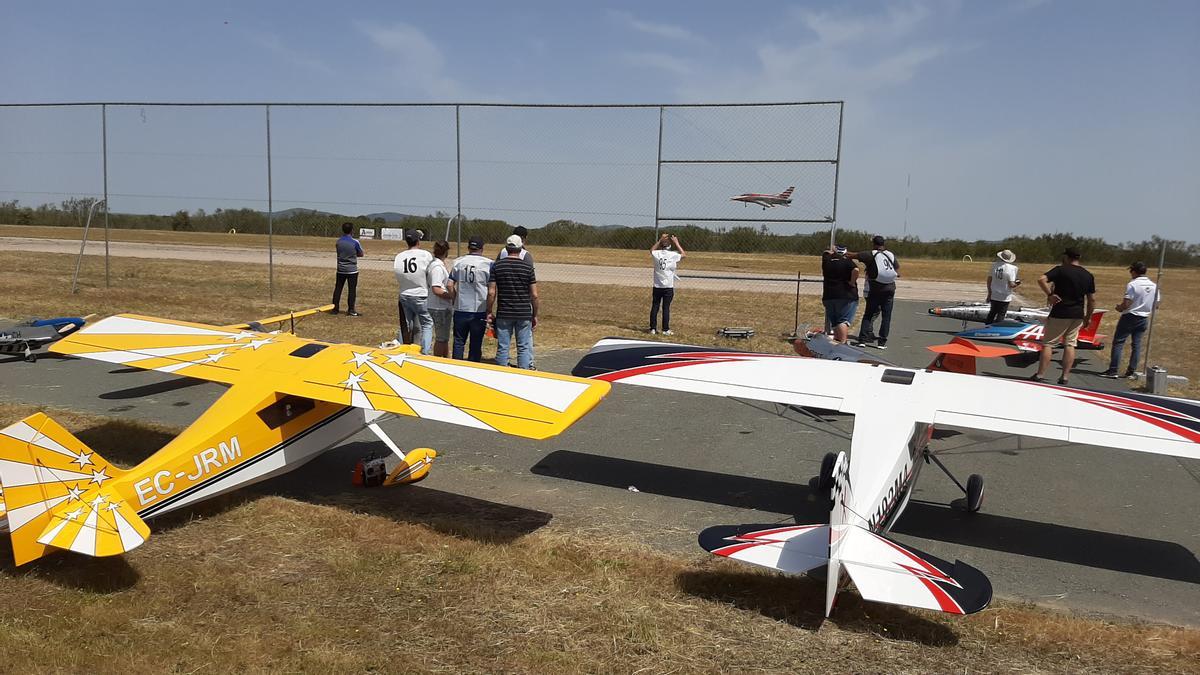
[441,299]
[1000,284]
[412,274]
[665,263]
[1140,301]
[469,277]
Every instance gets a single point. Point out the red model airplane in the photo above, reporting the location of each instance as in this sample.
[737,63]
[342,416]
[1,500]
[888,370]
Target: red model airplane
[766,201]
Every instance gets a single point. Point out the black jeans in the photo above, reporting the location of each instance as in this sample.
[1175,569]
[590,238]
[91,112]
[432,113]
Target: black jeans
[877,301]
[662,296]
[997,312]
[350,280]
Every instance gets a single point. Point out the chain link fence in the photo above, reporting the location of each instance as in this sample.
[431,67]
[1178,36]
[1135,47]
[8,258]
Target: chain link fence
[594,184]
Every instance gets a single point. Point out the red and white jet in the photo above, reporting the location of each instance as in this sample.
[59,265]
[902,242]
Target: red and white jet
[766,201]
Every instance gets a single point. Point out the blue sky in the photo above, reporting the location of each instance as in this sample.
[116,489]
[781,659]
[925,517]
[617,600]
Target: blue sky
[1011,117]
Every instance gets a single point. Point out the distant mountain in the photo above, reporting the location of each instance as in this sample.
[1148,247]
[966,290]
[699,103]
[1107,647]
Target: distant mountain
[288,213]
[390,216]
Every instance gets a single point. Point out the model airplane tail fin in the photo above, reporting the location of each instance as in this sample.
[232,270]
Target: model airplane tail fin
[1088,332]
[787,193]
[54,494]
[886,571]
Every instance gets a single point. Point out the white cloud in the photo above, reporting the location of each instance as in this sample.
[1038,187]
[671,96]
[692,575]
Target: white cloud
[418,65]
[665,62]
[662,30]
[275,44]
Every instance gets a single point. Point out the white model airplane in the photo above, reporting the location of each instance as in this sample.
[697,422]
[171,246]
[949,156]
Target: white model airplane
[766,201]
[895,411]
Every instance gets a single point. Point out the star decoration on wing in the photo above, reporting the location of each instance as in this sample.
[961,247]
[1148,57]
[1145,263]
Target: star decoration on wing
[213,358]
[73,515]
[98,477]
[352,381]
[360,360]
[112,506]
[83,459]
[238,336]
[255,344]
[398,359]
[75,493]
[100,499]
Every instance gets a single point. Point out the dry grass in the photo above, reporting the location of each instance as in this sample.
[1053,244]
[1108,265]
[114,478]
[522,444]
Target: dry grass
[359,583]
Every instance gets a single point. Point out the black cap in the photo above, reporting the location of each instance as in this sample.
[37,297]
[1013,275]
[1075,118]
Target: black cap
[1138,267]
[878,240]
[413,236]
[1072,253]
[475,243]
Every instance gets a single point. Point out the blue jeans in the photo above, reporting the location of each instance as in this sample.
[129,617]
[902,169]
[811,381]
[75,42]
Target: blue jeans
[878,301]
[1128,326]
[469,326]
[419,320]
[524,331]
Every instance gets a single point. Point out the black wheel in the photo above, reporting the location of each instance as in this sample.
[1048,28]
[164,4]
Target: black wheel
[974,493]
[825,478]
[32,358]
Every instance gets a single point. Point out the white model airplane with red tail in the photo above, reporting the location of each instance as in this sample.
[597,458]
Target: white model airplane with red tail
[895,412]
[766,201]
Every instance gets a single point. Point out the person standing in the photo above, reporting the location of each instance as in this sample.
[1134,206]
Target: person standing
[1071,293]
[665,262]
[1000,284]
[512,291]
[840,291]
[469,276]
[349,250]
[441,299]
[880,292]
[412,274]
[522,232]
[1141,299]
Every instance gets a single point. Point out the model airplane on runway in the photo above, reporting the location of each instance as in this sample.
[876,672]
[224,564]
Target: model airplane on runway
[289,400]
[956,356]
[978,311]
[27,337]
[1027,336]
[766,201]
[895,412]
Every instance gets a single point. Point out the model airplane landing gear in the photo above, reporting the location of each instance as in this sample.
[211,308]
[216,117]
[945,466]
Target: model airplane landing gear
[374,471]
[973,489]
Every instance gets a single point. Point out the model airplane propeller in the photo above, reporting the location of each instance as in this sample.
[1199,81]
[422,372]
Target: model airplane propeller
[289,399]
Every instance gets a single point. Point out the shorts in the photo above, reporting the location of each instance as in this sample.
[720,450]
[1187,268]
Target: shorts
[840,311]
[443,321]
[1066,330]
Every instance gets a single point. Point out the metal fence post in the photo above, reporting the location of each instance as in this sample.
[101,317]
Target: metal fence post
[658,174]
[837,171]
[1162,257]
[270,216]
[104,165]
[458,170]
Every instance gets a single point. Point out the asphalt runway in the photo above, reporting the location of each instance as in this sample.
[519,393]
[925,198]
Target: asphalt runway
[1073,527]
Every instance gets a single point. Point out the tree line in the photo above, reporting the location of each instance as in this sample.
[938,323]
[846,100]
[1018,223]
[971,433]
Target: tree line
[1043,248]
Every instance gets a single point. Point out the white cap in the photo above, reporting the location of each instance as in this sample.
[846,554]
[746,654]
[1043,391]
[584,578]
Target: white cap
[514,242]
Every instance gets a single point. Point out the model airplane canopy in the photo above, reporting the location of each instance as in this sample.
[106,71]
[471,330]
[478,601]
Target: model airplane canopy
[387,380]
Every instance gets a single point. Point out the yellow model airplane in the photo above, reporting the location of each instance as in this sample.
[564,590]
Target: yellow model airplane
[289,400]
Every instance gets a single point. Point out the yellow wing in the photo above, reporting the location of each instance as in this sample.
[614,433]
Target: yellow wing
[523,403]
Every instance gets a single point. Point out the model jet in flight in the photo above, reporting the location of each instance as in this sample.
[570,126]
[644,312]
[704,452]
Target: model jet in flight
[289,399]
[895,412]
[766,201]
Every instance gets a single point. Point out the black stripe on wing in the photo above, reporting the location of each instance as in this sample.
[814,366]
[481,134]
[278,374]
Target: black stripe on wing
[613,357]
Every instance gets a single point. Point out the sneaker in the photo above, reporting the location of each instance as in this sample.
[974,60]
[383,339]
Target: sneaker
[335,311]
[1110,374]
[353,313]
[881,345]
[1129,375]
[1063,381]
[652,331]
[668,332]
[1035,378]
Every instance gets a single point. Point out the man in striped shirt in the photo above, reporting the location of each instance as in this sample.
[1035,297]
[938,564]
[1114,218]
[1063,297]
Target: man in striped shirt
[512,291]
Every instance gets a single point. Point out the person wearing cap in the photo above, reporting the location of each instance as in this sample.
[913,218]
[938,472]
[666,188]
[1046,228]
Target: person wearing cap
[665,262]
[1141,299]
[880,291]
[1071,293]
[522,232]
[512,291]
[469,277]
[349,250]
[412,274]
[840,291]
[441,299]
[1000,284]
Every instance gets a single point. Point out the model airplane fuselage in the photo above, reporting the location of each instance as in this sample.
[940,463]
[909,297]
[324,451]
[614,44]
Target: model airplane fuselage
[1027,336]
[978,311]
[765,200]
[28,337]
[895,412]
[289,400]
